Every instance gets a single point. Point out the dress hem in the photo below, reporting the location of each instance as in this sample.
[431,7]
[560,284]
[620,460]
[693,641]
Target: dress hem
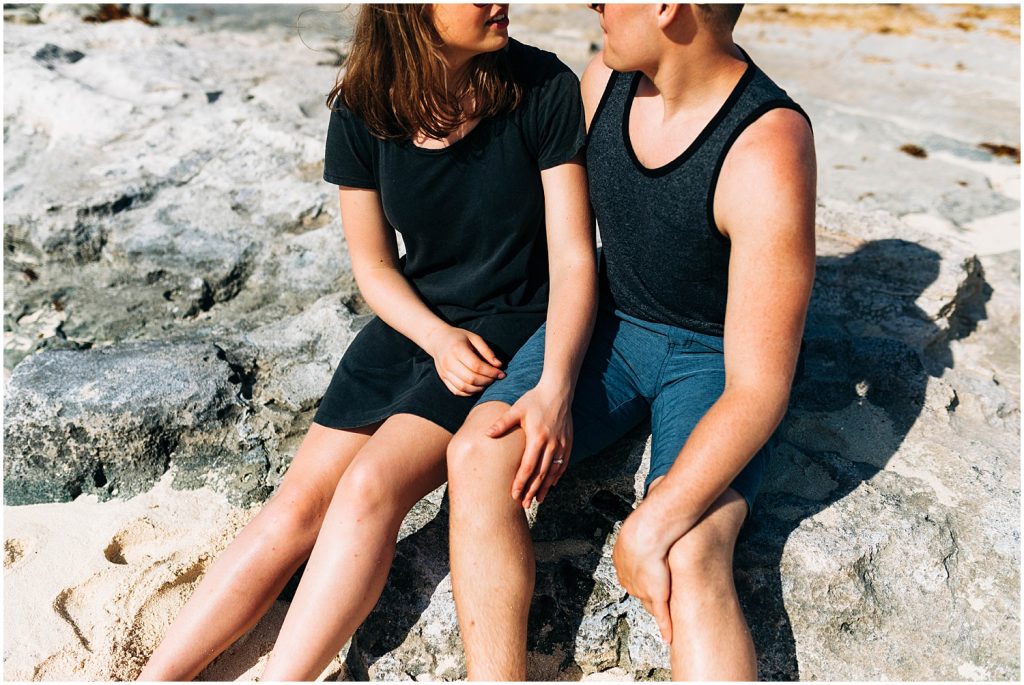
[379,416]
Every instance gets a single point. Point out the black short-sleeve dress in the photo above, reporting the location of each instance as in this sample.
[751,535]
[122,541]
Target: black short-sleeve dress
[472,219]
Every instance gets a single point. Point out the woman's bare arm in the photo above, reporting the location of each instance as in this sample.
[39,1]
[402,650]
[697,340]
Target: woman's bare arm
[464,361]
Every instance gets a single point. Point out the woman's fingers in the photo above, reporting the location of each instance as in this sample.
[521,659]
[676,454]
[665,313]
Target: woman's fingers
[477,372]
[455,388]
[541,472]
[471,358]
[531,457]
[558,469]
[506,422]
[457,385]
[467,378]
[468,366]
[483,349]
[558,464]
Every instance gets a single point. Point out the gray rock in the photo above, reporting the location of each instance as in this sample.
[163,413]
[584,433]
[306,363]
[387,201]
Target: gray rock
[110,421]
[183,229]
[218,412]
[18,13]
[65,13]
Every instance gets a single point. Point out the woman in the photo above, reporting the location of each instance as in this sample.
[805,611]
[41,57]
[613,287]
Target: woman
[467,144]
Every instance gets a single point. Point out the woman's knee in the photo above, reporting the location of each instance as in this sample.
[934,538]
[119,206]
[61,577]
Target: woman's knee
[293,516]
[367,489]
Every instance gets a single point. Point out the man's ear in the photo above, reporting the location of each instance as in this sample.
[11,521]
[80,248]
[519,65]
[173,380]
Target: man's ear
[668,13]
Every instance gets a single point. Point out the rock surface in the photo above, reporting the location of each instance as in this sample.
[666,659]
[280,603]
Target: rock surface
[175,306]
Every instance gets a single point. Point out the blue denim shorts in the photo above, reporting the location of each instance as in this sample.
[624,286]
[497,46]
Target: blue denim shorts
[634,370]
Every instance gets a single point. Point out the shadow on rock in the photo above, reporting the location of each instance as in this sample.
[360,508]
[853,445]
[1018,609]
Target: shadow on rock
[575,623]
[860,391]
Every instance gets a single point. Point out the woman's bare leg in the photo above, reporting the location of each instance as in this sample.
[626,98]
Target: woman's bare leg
[346,572]
[247,577]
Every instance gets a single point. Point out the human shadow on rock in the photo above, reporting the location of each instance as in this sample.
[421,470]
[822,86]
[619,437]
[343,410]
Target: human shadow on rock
[569,535]
[869,351]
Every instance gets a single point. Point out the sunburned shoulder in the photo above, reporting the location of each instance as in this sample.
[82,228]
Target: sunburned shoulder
[592,85]
[780,134]
[770,170]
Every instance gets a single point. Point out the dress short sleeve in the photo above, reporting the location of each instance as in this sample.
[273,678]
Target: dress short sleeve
[556,120]
[349,153]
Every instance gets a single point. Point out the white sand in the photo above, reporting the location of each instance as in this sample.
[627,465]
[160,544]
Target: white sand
[90,587]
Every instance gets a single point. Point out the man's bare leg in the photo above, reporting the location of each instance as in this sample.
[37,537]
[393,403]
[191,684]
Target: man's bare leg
[710,637]
[349,565]
[492,560]
[247,577]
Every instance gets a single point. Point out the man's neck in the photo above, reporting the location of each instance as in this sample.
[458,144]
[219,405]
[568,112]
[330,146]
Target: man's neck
[687,79]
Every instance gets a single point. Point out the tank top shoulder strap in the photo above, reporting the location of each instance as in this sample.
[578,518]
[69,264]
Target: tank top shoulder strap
[614,97]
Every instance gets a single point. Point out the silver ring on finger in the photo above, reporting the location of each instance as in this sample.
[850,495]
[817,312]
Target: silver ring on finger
[558,461]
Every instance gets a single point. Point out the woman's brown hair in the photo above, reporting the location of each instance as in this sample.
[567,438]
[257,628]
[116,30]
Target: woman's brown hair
[396,80]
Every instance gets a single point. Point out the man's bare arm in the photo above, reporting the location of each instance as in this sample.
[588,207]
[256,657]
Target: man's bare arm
[765,204]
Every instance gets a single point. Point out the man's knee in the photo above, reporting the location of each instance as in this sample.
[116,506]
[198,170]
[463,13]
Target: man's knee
[477,462]
[706,551]
[699,554]
[464,452]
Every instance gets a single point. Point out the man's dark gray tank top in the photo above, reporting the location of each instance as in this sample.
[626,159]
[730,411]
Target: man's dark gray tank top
[663,258]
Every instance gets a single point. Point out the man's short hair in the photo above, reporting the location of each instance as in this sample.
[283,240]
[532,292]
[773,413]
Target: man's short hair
[720,17]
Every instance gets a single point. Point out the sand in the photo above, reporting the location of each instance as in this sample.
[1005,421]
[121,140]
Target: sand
[115,574]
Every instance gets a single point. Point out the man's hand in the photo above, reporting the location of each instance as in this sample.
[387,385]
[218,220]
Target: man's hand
[545,417]
[463,361]
[641,562]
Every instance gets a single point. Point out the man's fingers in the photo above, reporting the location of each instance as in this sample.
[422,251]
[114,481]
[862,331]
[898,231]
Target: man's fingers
[483,349]
[662,616]
[526,468]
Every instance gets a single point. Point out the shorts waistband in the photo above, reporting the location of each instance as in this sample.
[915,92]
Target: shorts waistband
[676,333]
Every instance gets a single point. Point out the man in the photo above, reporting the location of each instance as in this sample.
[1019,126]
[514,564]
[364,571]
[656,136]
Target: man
[702,179]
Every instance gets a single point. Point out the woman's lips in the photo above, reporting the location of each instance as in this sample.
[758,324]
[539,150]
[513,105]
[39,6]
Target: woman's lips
[501,21]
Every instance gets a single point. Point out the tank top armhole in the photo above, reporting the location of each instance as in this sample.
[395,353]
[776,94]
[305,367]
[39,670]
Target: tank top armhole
[608,88]
[762,109]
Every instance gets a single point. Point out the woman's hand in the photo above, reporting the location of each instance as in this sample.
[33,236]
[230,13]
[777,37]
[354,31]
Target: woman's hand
[463,361]
[545,417]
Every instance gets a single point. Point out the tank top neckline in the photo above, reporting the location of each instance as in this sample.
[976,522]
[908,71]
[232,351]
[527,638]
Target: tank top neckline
[706,132]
